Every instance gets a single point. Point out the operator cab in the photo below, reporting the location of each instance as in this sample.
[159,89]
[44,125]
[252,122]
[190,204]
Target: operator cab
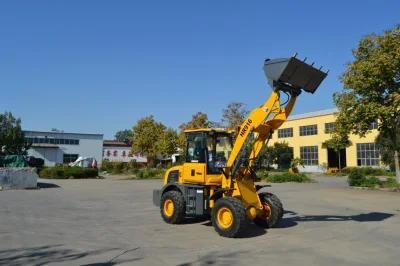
[211,147]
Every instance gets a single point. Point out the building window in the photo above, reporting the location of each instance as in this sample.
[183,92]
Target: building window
[115,153]
[108,153]
[309,155]
[285,132]
[308,130]
[367,154]
[123,153]
[329,127]
[48,140]
[69,158]
[373,125]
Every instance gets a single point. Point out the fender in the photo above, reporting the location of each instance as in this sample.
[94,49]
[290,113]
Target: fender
[217,194]
[157,193]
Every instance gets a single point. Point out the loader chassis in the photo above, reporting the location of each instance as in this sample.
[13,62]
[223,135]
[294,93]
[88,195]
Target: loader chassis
[217,178]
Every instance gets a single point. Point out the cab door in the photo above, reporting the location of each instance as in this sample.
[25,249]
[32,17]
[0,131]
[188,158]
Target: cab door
[194,169]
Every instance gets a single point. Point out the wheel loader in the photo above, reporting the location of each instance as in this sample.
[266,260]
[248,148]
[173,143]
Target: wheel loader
[217,179]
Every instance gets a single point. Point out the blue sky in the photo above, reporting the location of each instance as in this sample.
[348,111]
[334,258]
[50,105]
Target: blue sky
[99,66]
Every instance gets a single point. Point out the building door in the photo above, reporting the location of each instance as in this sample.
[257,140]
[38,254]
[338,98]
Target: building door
[334,157]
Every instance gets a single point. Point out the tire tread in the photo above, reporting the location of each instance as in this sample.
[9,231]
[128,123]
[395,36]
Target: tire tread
[179,206]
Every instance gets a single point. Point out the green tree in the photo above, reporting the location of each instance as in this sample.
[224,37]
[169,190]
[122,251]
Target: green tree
[125,135]
[338,142]
[386,149]
[371,89]
[12,139]
[147,133]
[168,142]
[280,153]
[234,114]
[199,120]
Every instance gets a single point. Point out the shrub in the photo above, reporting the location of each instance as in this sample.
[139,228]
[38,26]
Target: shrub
[390,183]
[368,171]
[118,167]
[288,177]
[133,165]
[134,171]
[356,178]
[106,165]
[262,174]
[371,182]
[146,173]
[62,172]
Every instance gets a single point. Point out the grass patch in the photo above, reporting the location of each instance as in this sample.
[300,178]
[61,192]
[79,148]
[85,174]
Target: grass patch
[65,172]
[284,177]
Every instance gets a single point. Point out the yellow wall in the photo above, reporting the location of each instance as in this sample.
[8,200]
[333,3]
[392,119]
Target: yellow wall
[317,140]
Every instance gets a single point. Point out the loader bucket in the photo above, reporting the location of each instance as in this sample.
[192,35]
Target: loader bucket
[293,75]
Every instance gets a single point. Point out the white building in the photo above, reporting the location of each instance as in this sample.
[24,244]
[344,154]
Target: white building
[120,151]
[57,147]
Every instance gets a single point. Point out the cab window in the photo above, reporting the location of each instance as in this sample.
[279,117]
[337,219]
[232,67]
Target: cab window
[223,149]
[218,150]
[195,151]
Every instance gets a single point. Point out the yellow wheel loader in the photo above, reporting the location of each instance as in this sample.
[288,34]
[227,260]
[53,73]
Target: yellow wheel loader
[217,179]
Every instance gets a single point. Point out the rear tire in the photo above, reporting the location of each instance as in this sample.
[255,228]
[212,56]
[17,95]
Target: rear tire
[172,207]
[273,210]
[228,217]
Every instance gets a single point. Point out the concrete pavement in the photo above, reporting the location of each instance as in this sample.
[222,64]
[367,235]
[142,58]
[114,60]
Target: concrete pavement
[108,222]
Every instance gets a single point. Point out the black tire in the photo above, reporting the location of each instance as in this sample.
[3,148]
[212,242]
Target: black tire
[178,213]
[239,219]
[276,207]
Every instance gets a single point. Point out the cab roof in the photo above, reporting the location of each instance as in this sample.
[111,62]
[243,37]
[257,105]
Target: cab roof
[217,130]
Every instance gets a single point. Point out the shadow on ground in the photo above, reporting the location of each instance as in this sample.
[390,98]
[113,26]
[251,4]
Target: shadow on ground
[292,219]
[43,255]
[363,217]
[250,231]
[47,185]
[216,258]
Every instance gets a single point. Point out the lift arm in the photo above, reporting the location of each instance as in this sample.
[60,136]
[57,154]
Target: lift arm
[289,76]
[264,131]
[257,129]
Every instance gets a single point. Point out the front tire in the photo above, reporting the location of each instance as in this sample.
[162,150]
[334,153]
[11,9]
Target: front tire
[228,217]
[172,207]
[273,210]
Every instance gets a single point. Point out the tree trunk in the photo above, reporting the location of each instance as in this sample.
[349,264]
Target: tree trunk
[151,161]
[340,166]
[396,165]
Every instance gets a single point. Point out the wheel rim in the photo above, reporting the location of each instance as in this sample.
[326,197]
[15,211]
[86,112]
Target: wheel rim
[169,207]
[225,218]
[267,211]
